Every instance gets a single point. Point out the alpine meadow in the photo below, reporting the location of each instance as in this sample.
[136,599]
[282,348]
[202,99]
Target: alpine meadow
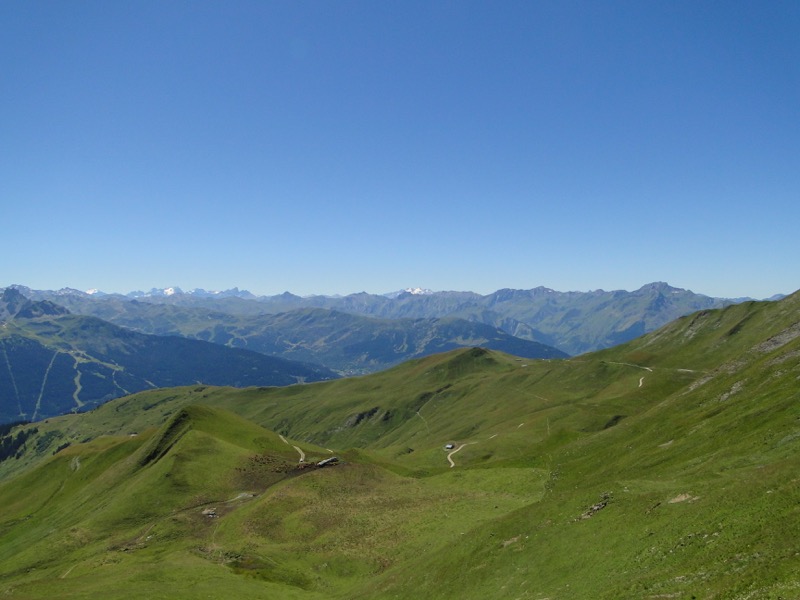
[665,467]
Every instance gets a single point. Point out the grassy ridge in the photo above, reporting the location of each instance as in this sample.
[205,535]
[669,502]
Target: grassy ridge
[130,503]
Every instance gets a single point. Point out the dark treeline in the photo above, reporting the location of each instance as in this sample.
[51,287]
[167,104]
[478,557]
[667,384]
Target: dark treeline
[10,445]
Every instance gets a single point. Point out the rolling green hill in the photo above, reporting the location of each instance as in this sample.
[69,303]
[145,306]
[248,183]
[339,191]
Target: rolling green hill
[662,468]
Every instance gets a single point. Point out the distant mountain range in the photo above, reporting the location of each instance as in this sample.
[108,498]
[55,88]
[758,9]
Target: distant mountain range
[57,359]
[53,362]
[351,344]
[573,322]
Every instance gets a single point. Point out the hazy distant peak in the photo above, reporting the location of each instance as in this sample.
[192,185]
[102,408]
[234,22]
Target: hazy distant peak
[156,292]
[24,290]
[416,291]
[234,292]
[287,295]
[660,286]
[13,295]
[70,292]
[196,292]
[15,304]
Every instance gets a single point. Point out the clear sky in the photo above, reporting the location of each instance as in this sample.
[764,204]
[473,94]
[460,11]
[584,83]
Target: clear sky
[336,146]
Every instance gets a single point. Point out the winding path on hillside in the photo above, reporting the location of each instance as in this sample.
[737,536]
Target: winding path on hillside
[491,437]
[419,414]
[299,451]
[450,455]
[641,379]
[631,365]
[424,420]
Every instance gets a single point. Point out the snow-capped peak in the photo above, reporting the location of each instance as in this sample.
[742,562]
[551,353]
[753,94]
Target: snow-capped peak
[233,292]
[413,291]
[417,291]
[156,292]
[68,292]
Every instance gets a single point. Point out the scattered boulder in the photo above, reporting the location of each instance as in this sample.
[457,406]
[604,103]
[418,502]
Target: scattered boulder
[605,498]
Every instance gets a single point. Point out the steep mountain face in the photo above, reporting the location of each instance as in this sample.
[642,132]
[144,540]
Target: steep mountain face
[14,305]
[53,362]
[662,468]
[574,322]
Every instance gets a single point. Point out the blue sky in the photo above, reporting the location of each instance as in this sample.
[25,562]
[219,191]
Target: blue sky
[337,147]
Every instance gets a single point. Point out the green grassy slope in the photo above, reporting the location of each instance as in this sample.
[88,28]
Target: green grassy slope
[130,516]
[664,468]
[124,515]
[697,497]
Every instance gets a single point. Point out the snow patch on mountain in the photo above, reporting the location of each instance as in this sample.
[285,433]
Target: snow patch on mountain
[417,291]
[156,292]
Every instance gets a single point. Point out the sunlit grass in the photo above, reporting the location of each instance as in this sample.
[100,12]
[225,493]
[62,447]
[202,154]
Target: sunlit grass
[638,472]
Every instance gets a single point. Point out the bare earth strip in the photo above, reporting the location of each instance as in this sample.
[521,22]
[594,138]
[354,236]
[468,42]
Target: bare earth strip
[114,379]
[78,386]
[424,421]
[302,454]
[13,381]
[44,382]
[67,572]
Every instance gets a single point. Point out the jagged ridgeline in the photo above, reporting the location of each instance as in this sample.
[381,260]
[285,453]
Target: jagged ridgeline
[362,332]
[662,468]
[349,343]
